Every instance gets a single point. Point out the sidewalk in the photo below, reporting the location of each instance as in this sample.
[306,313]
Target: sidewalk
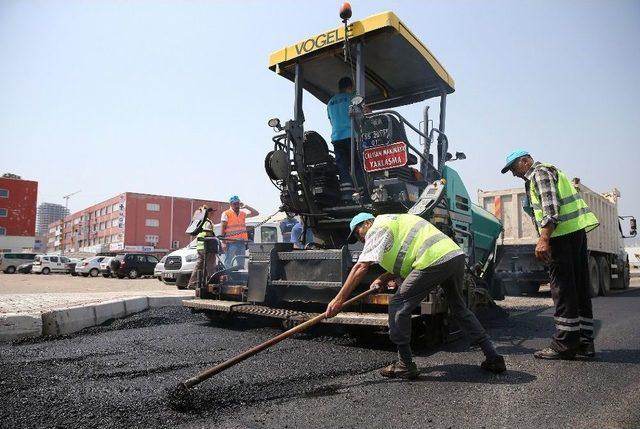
[76,304]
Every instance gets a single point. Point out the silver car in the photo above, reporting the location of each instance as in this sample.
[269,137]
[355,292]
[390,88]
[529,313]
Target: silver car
[90,266]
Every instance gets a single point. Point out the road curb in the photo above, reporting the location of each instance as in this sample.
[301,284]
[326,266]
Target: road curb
[68,320]
[20,325]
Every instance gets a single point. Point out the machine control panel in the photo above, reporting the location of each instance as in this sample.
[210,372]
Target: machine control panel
[429,198]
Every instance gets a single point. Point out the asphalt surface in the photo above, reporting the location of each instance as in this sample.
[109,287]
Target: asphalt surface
[123,374]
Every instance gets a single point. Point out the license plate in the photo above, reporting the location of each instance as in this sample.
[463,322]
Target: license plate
[169,276]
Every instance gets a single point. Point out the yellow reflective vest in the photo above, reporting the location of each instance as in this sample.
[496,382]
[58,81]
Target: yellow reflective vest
[417,244]
[574,214]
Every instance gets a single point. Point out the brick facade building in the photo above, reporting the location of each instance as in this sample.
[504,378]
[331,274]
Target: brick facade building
[129,221]
[18,199]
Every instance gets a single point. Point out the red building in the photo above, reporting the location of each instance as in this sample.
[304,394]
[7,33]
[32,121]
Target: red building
[129,221]
[18,200]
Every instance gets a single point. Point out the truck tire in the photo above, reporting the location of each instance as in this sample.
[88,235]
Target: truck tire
[625,274]
[594,277]
[133,273]
[10,270]
[46,271]
[94,272]
[605,275]
[529,288]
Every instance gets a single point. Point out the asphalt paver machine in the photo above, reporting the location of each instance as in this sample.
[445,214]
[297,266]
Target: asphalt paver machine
[391,68]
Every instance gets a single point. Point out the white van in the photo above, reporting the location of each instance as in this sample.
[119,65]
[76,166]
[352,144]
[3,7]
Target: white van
[45,264]
[9,262]
[180,264]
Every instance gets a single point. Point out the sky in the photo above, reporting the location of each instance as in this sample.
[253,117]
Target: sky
[173,97]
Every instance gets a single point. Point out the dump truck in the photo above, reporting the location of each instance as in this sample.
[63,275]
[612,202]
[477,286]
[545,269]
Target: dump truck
[391,68]
[519,272]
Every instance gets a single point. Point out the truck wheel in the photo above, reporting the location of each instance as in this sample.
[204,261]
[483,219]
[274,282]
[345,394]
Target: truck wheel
[106,276]
[85,274]
[94,272]
[46,271]
[10,270]
[594,277]
[605,276]
[530,288]
[133,274]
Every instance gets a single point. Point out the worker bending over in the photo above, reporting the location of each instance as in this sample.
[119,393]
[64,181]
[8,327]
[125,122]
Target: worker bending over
[562,219]
[408,246]
[233,230]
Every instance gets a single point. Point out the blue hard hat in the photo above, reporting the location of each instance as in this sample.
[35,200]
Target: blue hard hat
[357,220]
[234,199]
[512,157]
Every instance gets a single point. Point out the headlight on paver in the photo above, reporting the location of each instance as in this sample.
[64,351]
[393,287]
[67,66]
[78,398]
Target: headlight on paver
[191,258]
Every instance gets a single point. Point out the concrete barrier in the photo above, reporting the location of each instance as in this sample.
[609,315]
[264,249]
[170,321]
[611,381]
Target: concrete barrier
[65,321]
[109,310]
[14,326]
[164,301]
[68,320]
[135,305]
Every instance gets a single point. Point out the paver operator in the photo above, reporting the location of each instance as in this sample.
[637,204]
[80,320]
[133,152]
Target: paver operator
[410,247]
[234,229]
[562,219]
[207,231]
[338,113]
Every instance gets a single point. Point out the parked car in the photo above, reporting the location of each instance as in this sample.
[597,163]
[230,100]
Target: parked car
[9,262]
[90,266]
[179,265]
[25,268]
[45,264]
[157,271]
[105,267]
[72,265]
[133,265]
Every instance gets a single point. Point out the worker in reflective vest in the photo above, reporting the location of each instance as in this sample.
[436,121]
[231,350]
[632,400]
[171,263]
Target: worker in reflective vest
[196,274]
[562,219]
[411,248]
[234,231]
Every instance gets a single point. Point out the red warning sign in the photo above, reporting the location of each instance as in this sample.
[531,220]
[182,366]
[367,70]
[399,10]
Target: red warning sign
[385,157]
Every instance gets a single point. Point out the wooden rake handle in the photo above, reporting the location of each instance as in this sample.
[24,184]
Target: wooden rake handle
[257,349]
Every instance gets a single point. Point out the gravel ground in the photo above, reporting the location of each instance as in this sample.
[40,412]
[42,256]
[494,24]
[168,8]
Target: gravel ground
[58,283]
[123,373]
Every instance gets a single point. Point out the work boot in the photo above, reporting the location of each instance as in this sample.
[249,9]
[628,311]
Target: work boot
[550,354]
[586,350]
[495,365]
[400,370]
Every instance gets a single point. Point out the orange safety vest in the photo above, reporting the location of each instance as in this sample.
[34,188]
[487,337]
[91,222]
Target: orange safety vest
[236,225]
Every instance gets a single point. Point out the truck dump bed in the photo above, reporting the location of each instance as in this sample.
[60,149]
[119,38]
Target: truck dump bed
[519,229]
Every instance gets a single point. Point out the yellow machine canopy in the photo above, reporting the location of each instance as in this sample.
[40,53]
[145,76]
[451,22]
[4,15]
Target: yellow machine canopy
[399,69]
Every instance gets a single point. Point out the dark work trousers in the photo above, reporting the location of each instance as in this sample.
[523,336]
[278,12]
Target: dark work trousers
[569,269]
[342,152]
[194,280]
[415,288]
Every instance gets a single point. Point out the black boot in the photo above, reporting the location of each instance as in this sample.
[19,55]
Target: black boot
[550,354]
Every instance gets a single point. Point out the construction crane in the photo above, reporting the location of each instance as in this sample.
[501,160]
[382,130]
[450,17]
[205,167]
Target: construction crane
[62,232]
[66,199]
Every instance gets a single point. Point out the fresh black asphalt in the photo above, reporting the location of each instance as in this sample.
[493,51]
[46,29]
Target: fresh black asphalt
[123,374]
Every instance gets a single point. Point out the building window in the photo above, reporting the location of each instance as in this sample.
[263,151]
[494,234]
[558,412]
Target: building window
[153,207]
[152,222]
[4,193]
[3,212]
[3,231]
[114,223]
[153,239]
[114,207]
[175,245]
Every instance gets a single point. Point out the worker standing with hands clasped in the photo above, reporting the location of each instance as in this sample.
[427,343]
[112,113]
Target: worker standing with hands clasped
[562,219]
[408,246]
[207,231]
[234,229]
